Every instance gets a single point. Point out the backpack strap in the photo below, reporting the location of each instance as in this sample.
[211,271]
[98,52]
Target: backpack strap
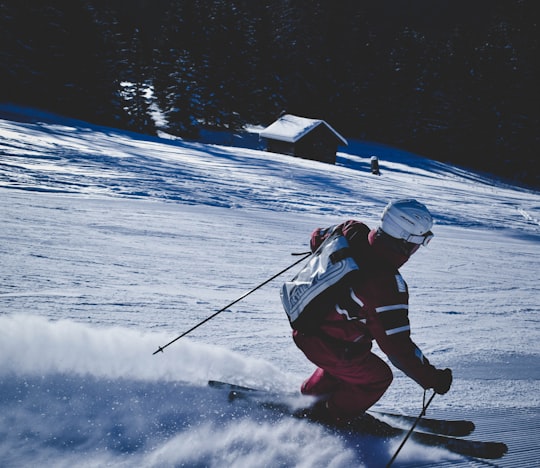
[341,254]
[309,291]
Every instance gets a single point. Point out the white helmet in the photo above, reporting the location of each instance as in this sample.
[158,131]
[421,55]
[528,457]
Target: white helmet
[409,220]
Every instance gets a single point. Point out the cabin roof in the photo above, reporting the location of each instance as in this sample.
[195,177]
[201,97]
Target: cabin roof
[291,128]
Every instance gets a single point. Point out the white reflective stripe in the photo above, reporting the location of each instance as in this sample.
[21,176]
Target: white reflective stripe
[398,330]
[341,311]
[356,299]
[419,355]
[391,307]
[401,285]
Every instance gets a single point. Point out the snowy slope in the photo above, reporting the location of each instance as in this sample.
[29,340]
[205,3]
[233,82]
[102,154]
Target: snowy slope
[112,244]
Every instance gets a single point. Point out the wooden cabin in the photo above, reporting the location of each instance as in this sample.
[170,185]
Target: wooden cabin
[304,138]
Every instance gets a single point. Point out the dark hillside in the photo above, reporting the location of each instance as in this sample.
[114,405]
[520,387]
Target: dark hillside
[451,80]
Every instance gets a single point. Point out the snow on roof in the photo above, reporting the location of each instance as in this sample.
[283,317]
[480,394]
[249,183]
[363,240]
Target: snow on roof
[291,128]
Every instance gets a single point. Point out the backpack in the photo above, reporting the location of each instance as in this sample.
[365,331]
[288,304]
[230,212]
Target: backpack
[307,297]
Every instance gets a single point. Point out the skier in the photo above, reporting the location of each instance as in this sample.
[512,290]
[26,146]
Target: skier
[349,378]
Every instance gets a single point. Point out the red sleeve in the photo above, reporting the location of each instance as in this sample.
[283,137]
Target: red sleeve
[386,306]
[318,236]
[355,232]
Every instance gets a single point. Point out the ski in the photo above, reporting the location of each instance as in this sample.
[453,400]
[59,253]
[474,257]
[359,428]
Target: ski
[371,425]
[455,428]
[449,427]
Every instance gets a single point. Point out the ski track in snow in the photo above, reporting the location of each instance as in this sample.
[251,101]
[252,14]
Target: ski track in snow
[112,244]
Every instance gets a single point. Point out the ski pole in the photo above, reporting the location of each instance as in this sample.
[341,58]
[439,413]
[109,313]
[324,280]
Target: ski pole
[305,255]
[422,413]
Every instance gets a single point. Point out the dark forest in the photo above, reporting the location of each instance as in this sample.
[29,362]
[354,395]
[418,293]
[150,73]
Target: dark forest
[452,80]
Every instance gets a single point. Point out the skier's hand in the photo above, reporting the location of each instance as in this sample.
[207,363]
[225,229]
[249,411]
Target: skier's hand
[443,381]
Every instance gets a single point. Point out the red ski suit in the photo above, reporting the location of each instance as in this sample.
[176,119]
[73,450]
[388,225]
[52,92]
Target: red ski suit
[376,308]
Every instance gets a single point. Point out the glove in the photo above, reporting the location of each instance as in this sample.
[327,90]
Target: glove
[443,380]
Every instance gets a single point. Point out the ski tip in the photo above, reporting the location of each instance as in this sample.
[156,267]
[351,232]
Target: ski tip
[488,450]
[461,428]
[501,447]
[469,426]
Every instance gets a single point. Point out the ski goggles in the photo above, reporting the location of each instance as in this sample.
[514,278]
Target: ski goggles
[424,239]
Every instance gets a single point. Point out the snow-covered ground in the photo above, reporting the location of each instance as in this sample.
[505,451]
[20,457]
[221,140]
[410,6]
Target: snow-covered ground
[112,244]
